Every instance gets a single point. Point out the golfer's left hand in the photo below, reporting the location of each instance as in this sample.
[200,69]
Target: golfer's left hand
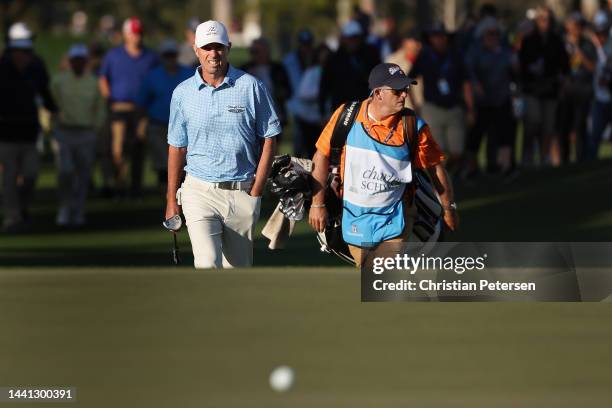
[451,219]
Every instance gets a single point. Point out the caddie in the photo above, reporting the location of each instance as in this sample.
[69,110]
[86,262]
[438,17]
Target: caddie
[376,168]
[223,126]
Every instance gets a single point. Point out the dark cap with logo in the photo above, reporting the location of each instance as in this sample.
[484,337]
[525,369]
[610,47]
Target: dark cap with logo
[389,75]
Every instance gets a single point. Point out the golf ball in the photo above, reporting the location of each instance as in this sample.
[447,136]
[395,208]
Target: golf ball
[282,378]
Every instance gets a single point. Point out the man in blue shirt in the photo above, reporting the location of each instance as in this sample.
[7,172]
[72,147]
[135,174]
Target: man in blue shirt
[223,126]
[154,98]
[121,75]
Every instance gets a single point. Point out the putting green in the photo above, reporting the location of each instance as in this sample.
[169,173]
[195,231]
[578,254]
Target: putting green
[146,337]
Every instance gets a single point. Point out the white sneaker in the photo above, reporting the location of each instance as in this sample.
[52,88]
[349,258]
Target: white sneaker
[63,217]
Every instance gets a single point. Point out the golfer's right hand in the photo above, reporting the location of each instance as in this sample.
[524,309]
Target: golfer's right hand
[317,218]
[172,209]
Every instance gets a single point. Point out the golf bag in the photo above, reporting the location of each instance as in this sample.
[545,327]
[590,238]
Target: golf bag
[428,223]
[290,180]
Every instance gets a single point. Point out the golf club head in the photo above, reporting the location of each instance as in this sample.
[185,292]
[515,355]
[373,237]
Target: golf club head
[173,223]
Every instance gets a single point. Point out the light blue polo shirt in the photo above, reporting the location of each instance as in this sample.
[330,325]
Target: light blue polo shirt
[223,128]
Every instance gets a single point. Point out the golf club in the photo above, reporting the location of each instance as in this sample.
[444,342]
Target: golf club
[174,224]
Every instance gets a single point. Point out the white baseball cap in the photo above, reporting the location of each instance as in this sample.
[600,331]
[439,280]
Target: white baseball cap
[211,32]
[78,51]
[20,36]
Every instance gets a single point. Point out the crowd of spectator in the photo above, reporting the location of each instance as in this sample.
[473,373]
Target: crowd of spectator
[479,84]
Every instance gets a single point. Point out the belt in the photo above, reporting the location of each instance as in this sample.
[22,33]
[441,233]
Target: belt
[233,185]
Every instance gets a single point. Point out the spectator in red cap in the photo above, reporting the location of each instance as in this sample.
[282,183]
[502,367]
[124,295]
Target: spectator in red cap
[123,71]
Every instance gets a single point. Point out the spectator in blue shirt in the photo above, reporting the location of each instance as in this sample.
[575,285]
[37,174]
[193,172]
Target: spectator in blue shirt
[154,98]
[123,71]
[223,125]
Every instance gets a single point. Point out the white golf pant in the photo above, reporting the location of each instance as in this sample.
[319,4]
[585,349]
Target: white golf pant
[220,223]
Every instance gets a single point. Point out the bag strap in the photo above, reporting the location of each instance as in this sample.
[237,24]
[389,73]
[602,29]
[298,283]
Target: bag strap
[347,118]
[341,130]
[409,121]
[411,137]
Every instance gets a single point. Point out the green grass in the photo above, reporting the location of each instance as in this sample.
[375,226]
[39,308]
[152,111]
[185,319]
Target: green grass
[167,337]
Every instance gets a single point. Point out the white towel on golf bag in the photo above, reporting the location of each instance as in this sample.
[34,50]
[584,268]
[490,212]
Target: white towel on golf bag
[278,229]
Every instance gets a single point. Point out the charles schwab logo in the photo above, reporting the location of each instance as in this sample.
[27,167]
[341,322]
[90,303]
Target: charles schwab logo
[376,180]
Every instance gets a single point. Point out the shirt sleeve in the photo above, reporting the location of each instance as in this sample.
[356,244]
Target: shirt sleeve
[428,152]
[266,118]
[324,142]
[177,128]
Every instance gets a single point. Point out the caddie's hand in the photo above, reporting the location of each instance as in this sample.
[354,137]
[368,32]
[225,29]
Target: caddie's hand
[317,218]
[451,219]
[172,208]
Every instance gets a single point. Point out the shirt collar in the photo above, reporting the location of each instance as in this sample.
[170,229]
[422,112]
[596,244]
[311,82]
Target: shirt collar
[363,117]
[229,80]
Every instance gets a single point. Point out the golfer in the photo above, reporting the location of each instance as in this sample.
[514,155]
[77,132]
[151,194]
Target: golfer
[376,168]
[223,126]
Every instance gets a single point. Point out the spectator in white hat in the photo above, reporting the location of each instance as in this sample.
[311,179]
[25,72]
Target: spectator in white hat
[23,82]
